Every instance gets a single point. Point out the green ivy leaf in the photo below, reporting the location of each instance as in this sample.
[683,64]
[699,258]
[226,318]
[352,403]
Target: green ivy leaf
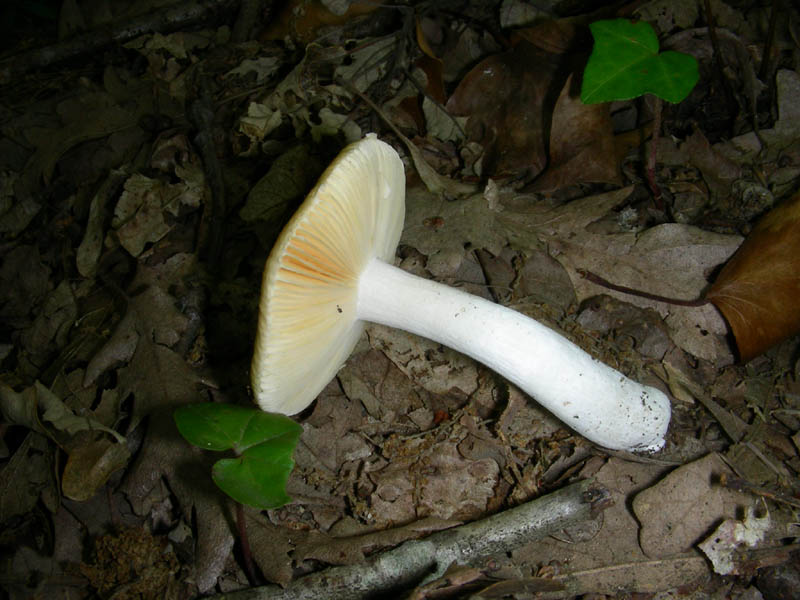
[215,426]
[625,63]
[258,477]
[263,442]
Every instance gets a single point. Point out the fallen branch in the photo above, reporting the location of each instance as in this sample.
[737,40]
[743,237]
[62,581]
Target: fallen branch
[171,18]
[417,561]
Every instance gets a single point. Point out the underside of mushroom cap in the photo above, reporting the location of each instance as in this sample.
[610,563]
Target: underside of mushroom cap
[307,324]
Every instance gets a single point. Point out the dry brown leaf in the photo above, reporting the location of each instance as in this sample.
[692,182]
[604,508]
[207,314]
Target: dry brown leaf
[676,512]
[271,546]
[26,476]
[582,146]
[758,290]
[504,97]
[428,364]
[305,21]
[612,559]
[719,172]
[89,466]
[454,487]
[156,375]
[441,229]
[672,260]
[187,469]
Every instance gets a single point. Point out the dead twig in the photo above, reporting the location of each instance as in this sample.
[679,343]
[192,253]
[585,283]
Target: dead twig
[419,561]
[172,18]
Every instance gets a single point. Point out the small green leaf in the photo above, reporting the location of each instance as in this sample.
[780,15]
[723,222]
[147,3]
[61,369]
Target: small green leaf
[264,443]
[258,477]
[625,63]
[214,426]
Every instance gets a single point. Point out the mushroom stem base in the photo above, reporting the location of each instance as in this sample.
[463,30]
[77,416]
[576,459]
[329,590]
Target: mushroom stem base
[589,396]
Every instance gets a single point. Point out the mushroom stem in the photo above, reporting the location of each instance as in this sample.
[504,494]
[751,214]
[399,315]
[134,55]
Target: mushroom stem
[592,398]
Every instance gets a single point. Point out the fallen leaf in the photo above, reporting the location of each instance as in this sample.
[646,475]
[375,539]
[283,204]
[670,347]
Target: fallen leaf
[384,391]
[39,409]
[187,471]
[336,550]
[271,546]
[672,260]
[721,546]
[542,279]
[582,145]
[87,116]
[140,214]
[90,465]
[88,252]
[750,146]
[455,487]
[611,559]
[470,220]
[505,98]
[52,325]
[428,364]
[719,172]
[758,290]
[26,476]
[643,326]
[156,375]
[303,21]
[291,175]
[677,511]
[25,279]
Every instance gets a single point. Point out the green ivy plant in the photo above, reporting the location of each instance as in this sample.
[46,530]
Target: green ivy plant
[263,444]
[625,63]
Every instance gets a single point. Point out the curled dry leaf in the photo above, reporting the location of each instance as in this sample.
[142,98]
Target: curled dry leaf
[758,290]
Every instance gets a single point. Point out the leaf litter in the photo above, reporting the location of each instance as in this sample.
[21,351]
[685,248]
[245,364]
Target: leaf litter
[116,308]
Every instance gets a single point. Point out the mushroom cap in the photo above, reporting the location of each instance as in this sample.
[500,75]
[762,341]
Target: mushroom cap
[307,323]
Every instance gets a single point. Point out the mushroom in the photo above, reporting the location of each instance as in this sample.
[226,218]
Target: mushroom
[330,271]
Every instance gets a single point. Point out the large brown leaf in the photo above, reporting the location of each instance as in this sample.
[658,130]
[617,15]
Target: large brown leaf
[506,98]
[581,144]
[758,290]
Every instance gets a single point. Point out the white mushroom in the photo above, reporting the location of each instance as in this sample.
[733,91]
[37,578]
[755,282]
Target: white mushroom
[330,271]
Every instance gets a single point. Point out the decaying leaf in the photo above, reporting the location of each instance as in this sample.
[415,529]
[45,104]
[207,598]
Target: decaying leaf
[438,228]
[141,213]
[41,410]
[581,144]
[503,96]
[188,473]
[678,510]
[26,476]
[610,557]
[291,175]
[90,465]
[672,260]
[337,550]
[721,545]
[92,456]
[758,290]
[86,117]
[271,546]
[52,324]
[156,375]
[25,279]
[436,368]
